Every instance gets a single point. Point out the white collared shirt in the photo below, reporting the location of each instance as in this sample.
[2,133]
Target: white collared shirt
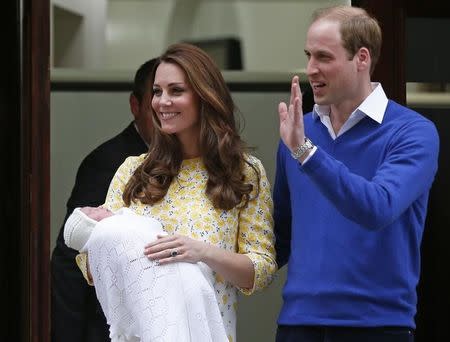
[373,106]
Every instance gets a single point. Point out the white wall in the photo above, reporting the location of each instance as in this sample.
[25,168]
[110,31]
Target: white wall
[78,33]
[272,32]
[121,34]
[74,6]
[135,32]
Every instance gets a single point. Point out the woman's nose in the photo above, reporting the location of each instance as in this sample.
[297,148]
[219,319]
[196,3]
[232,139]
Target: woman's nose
[166,99]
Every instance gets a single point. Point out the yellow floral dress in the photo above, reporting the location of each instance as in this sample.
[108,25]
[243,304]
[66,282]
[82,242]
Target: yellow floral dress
[186,210]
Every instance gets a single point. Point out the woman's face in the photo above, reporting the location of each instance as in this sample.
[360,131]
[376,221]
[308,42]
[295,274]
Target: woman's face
[176,104]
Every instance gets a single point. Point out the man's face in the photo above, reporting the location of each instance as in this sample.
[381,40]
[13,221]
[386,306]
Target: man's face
[142,113]
[332,73]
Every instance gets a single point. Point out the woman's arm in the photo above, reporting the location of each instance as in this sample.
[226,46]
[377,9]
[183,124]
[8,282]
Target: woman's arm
[256,236]
[234,267]
[253,265]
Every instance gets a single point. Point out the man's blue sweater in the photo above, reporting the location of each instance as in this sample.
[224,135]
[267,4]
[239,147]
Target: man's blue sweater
[350,221]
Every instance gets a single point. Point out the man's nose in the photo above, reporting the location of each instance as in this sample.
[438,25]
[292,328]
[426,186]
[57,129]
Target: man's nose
[311,67]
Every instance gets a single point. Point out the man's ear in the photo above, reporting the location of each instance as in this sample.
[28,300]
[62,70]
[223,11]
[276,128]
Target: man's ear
[364,59]
[134,106]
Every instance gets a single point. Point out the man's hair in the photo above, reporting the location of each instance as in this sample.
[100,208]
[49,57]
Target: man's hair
[141,78]
[358,29]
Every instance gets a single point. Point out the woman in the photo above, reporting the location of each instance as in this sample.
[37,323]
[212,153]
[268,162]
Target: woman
[212,198]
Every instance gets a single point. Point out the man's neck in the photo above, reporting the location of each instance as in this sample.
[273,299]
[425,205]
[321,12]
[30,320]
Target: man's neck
[337,121]
[340,113]
[140,134]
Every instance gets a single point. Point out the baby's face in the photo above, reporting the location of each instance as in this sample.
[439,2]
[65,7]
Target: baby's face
[96,213]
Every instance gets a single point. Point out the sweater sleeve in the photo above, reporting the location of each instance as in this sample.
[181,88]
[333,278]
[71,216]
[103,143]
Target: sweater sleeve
[256,237]
[406,173]
[282,211]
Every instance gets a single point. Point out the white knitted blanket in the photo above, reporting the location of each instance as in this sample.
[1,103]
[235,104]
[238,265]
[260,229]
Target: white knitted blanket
[143,301]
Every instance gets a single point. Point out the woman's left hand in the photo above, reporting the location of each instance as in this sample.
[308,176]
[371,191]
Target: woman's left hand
[234,267]
[173,248]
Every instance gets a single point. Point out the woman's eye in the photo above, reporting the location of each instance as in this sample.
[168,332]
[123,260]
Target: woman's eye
[156,92]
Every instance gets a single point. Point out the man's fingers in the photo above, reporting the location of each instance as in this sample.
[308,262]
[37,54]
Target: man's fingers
[294,89]
[297,111]
[283,111]
[296,85]
[291,112]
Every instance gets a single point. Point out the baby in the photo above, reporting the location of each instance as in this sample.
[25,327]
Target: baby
[143,301]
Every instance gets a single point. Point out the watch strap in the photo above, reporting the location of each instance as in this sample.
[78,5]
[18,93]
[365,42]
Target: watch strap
[301,150]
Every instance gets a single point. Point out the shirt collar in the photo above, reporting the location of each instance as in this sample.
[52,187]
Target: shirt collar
[374,106]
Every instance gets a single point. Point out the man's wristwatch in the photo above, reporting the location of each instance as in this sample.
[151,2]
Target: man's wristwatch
[304,148]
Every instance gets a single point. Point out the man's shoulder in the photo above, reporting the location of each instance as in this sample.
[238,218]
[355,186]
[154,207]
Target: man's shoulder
[108,156]
[401,114]
[127,136]
[98,168]
[403,123]
[116,149]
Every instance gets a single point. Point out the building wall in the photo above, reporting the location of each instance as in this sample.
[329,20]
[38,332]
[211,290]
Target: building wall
[78,33]
[120,34]
[271,32]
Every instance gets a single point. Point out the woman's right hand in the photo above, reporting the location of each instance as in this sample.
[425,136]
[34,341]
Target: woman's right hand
[96,213]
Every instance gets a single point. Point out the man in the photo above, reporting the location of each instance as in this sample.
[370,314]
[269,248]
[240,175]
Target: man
[75,312]
[350,193]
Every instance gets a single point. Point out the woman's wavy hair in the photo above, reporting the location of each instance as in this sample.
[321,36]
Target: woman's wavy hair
[222,150]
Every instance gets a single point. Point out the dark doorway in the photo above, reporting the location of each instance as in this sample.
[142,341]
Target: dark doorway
[24,103]
[399,64]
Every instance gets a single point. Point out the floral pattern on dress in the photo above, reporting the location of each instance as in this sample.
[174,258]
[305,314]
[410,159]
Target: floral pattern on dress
[186,210]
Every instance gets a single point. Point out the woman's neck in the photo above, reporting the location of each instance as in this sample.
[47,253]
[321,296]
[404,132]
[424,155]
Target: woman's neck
[190,145]
[191,150]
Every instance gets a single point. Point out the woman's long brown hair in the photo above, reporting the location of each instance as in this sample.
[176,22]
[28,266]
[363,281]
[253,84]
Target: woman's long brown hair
[222,149]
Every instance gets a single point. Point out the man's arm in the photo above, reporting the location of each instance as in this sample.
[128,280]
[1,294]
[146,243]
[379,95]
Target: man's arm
[405,174]
[282,212]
